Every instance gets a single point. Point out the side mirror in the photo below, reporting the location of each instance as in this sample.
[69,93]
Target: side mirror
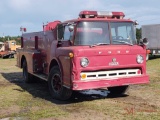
[144,41]
[136,23]
[71,28]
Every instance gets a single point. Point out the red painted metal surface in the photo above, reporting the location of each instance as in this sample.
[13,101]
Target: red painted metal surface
[94,84]
[94,14]
[43,51]
[51,25]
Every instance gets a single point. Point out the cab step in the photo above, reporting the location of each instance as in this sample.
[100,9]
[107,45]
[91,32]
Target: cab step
[41,76]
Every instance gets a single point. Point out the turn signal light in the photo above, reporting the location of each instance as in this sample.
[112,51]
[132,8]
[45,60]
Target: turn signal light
[83,76]
[71,55]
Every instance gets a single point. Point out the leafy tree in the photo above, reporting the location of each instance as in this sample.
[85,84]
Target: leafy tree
[6,38]
[138,33]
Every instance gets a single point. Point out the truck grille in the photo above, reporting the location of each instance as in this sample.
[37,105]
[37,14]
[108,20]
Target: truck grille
[112,74]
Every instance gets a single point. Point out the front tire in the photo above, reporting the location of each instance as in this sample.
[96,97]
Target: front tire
[27,76]
[118,90]
[55,84]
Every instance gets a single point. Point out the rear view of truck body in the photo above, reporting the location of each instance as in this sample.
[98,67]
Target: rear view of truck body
[152,33]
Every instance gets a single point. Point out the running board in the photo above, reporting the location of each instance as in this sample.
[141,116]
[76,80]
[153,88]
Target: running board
[41,76]
[44,77]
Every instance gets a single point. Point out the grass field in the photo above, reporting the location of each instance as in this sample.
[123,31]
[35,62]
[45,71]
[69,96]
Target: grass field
[20,101]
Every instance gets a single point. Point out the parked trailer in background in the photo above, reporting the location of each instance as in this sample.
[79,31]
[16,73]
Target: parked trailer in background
[13,45]
[96,50]
[152,33]
[5,52]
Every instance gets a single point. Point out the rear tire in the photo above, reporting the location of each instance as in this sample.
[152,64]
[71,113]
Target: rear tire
[55,84]
[10,56]
[118,90]
[27,76]
[3,57]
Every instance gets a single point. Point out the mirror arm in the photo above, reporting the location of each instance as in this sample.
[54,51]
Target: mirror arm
[59,43]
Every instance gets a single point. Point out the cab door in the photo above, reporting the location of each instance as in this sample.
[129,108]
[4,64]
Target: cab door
[62,53]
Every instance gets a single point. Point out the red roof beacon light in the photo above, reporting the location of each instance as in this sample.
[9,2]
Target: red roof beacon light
[101,14]
[107,14]
[88,14]
[104,14]
[118,15]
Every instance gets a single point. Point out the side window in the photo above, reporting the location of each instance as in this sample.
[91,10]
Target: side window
[60,30]
[66,33]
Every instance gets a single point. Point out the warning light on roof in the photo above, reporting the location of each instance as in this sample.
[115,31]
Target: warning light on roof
[101,14]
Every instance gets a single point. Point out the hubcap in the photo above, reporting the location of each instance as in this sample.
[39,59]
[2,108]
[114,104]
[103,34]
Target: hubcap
[56,83]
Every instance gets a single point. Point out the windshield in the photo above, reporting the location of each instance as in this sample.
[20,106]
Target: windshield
[98,33]
[89,33]
[122,33]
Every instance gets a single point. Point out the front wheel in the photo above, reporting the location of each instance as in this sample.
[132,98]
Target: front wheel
[55,84]
[118,90]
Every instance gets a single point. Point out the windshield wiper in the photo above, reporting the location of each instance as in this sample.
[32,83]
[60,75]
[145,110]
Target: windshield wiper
[121,41]
[94,45]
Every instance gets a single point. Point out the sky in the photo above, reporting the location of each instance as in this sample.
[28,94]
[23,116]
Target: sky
[31,14]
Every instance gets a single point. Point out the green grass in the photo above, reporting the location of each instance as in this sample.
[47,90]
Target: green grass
[16,95]
[32,101]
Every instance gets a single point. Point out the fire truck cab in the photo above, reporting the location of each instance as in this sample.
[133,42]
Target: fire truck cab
[97,50]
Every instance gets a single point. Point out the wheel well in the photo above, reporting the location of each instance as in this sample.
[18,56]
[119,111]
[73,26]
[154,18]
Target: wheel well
[22,59]
[53,63]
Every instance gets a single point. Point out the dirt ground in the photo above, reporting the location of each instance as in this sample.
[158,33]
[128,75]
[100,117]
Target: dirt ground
[21,101]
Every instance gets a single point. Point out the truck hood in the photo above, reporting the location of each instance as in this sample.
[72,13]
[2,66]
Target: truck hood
[110,56]
[109,50]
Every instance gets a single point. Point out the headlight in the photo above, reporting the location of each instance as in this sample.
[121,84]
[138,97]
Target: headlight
[140,59]
[84,62]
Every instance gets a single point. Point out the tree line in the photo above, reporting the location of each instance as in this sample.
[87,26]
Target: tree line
[7,38]
[18,38]
[138,33]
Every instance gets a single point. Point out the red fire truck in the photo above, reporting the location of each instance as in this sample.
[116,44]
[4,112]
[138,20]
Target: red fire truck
[96,50]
